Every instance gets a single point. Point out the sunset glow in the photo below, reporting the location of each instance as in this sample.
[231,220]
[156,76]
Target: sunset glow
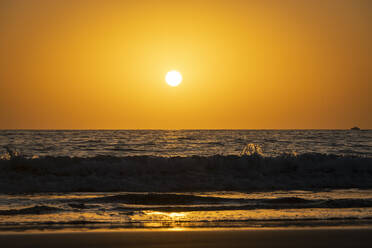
[185,123]
[248,64]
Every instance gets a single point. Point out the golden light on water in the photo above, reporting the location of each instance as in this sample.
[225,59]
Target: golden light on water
[173,78]
[172,215]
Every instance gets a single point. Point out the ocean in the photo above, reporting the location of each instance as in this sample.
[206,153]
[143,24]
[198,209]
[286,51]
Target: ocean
[93,179]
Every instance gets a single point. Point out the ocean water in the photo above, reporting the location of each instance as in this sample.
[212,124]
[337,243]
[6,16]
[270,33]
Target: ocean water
[52,180]
[121,143]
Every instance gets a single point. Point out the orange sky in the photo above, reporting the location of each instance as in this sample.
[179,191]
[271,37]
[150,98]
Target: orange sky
[245,64]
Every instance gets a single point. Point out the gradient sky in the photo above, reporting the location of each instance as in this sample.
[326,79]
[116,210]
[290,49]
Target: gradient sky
[246,64]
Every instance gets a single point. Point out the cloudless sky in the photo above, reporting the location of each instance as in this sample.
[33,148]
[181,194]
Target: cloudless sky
[246,64]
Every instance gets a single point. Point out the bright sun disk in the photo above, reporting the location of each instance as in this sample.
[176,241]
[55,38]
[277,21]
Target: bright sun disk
[173,78]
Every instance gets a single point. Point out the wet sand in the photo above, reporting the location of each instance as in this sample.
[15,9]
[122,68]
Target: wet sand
[350,237]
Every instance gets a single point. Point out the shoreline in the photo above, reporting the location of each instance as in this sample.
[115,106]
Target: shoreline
[181,229]
[252,237]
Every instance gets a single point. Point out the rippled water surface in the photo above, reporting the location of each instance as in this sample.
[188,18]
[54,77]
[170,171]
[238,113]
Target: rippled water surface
[185,142]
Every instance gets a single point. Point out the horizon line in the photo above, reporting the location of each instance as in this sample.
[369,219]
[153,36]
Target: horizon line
[163,129]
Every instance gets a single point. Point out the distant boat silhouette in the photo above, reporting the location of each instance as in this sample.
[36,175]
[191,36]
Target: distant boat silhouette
[355,128]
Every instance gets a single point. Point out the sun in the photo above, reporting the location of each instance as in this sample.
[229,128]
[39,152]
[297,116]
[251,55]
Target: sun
[173,78]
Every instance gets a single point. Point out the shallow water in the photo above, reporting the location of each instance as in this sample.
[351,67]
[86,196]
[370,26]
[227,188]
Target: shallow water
[175,210]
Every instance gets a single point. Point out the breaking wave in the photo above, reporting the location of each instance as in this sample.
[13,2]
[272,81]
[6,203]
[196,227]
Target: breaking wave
[185,202]
[161,199]
[181,174]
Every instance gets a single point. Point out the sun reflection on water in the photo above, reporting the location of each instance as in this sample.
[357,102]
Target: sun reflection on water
[172,216]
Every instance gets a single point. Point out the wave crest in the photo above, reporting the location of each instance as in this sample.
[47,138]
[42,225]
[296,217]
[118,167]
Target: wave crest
[194,173]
